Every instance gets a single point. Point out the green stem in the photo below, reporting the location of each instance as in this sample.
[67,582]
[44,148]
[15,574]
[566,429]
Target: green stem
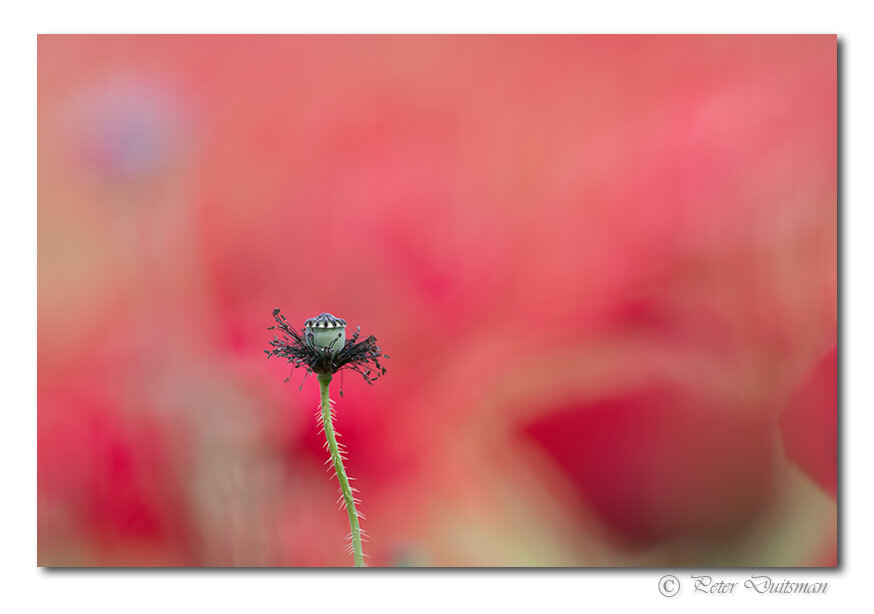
[358,555]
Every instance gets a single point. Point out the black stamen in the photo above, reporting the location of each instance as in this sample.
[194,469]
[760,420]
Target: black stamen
[297,348]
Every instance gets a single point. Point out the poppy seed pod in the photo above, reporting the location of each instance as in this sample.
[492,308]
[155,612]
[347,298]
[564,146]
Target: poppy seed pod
[326,333]
[321,347]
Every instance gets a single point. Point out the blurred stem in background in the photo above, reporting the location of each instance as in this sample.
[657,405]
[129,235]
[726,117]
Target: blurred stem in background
[337,458]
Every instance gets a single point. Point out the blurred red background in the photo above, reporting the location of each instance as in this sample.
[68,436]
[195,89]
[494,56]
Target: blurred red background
[605,268]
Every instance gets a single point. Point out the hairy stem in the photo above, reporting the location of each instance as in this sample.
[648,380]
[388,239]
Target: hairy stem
[358,555]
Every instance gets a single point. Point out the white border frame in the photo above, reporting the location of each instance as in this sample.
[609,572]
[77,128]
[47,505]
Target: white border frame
[29,589]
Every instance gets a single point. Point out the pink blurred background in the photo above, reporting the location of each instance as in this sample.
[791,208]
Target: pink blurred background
[605,268]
